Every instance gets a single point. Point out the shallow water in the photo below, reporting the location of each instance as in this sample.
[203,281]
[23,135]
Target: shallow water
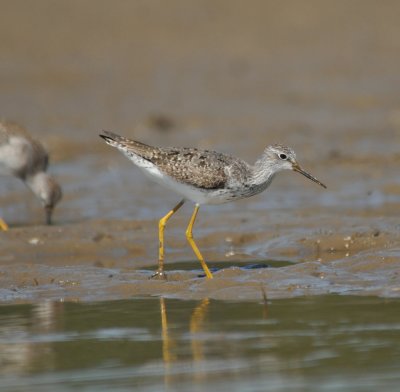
[321,343]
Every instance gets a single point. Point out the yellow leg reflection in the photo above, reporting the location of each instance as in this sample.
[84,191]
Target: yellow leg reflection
[3,225]
[189,237]
[161,227]
[168,345]
[196,326]
[167,342]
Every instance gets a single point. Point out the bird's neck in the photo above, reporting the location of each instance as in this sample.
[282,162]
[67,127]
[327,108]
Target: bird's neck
[263,172]
[37,183]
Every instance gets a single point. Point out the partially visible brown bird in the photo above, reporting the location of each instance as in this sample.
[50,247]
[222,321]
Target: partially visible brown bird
[23,157]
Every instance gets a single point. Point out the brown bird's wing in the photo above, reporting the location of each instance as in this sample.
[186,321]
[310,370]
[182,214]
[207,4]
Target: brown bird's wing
[200,168]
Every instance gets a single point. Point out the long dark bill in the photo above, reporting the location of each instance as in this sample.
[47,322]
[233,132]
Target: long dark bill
[49,212]
[298,169]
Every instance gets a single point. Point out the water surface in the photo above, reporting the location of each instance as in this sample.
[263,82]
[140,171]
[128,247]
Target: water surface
[324,343]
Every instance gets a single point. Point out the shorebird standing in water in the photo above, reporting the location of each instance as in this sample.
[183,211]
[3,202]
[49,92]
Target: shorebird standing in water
[204,177]
[23,157]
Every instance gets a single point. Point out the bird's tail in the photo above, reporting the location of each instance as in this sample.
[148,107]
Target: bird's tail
[127,146]
[112,138]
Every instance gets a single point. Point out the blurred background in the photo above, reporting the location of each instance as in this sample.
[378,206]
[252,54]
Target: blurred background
[320,76]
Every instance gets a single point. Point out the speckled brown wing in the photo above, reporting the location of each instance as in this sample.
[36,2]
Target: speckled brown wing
[200,168]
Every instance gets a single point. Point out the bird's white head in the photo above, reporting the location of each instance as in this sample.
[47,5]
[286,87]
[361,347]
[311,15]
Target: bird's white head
[47,190]
[280,158]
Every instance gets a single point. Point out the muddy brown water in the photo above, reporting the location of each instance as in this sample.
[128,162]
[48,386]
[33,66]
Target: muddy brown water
[232,76]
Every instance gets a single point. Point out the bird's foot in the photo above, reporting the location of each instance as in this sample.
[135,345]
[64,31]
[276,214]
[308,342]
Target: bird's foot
[159,274]
[3,225]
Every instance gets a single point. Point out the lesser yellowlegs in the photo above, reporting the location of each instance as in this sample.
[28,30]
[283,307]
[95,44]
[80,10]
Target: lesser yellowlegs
[23,157]
[204,177]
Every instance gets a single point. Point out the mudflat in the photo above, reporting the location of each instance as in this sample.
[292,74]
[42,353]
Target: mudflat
[230,76]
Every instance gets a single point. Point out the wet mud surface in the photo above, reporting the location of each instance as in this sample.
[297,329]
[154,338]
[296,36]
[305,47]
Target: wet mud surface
[320,78]
[100,260]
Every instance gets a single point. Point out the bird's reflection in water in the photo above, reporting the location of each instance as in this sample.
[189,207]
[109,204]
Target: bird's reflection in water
[168,343]
[196,328]
[169,346]
[265,302]
[18,352]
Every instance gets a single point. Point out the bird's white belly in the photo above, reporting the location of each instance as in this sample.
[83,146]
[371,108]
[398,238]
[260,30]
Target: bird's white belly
[189,192]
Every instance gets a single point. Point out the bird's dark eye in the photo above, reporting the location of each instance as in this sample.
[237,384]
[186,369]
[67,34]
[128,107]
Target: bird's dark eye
[283,156]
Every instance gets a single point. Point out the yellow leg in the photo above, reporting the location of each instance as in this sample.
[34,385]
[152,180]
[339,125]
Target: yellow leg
[189,237]
[3,225]
[161,226]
